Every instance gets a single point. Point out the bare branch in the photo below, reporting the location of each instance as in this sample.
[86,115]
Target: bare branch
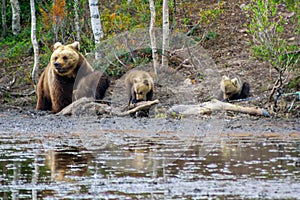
[138,106]
[116,56]
[129,48]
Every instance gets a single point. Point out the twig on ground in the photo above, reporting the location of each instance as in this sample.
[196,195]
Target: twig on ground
[138,106]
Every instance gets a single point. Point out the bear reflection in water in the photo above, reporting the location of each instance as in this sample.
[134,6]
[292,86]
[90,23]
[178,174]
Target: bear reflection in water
[65,164]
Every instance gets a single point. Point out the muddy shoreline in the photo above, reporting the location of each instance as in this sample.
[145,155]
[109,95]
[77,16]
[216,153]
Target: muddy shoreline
[33,121]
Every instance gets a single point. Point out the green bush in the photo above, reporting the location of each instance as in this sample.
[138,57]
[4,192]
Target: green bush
[275,27]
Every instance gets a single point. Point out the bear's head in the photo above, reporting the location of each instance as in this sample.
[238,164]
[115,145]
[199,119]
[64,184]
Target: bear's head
[65,59]
[141,88]
[230,87]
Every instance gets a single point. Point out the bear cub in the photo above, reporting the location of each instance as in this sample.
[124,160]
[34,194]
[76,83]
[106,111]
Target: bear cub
[93,85]
[233,89]
[139,86]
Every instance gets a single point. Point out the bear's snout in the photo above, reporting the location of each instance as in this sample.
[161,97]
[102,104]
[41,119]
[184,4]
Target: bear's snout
[59,68]
[136,100]
[57,65]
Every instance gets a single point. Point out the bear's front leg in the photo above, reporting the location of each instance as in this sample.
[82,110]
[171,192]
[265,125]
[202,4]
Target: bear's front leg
[61,97]
[43,98]
[43,103]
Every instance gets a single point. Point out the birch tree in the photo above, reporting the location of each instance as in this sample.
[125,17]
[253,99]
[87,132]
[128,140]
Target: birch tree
[166,34]
[34,74]
[16,26]
[96,23]
[77,28]
[3,14]
[152,36]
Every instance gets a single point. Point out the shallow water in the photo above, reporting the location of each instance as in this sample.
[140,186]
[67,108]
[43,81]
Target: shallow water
[131,163]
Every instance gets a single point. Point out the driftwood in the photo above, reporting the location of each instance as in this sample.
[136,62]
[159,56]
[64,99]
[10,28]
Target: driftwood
[88,106]
[214,105]
[143,105]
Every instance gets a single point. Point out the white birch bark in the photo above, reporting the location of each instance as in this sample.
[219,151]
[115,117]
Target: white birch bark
[152,36]
[16,26]
[166,34]
[77,28]
[34,73]
[3,14]
[96,24]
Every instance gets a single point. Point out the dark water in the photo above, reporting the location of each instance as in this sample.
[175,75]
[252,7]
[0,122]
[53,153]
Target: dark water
[141,165]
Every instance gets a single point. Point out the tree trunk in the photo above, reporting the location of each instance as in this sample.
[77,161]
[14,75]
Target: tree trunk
[34,73]
[16,26]
[96,24]
[3,13]
[152,36]
[166,34]
[77,28]
[87,22]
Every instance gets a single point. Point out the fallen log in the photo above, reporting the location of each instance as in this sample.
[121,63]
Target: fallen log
[214,105]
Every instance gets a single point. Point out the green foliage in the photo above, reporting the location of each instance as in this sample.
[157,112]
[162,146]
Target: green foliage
[272,30]
[207,16]
[122,17]
[17,46]
[211,35]
[295,83]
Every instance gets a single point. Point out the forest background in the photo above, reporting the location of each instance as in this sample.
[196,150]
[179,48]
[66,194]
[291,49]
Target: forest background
[257,40]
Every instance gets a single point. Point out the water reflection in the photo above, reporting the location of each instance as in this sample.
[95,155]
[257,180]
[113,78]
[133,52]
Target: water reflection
[243,168]
[67,163]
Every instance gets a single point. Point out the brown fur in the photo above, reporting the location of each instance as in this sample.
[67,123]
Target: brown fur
[55,86]
[232,89]
[139,85]
[93,85]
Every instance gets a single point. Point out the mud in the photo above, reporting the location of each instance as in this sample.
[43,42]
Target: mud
[44,156]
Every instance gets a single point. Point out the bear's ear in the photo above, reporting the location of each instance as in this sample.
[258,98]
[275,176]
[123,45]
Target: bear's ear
[234,81]
[75,45]
[146,82]
[56,45]
[224,78]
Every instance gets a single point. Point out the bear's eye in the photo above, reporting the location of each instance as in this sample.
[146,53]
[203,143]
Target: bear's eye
[140,92]
[65,58]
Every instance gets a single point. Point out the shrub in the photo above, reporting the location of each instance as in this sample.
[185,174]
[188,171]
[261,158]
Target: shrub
[275,26]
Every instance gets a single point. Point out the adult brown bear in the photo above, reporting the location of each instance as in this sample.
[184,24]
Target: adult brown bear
[55,86]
